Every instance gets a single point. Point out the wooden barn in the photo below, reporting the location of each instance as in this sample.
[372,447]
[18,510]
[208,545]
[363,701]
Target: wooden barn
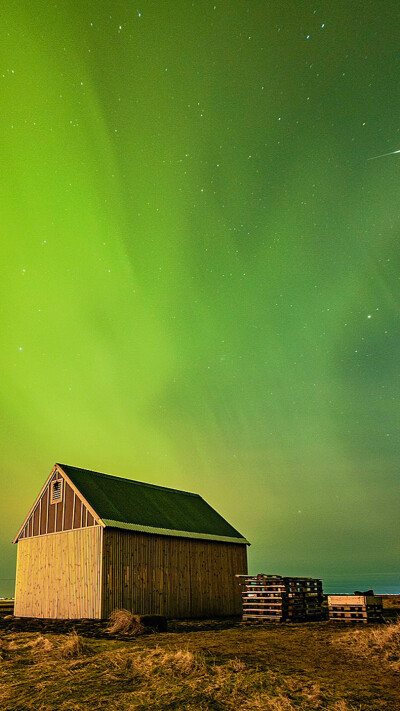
[93,542]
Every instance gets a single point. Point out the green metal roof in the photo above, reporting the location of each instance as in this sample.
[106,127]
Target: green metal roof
[134,505]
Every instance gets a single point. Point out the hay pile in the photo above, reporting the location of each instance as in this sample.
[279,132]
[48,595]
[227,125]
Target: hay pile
[125,622]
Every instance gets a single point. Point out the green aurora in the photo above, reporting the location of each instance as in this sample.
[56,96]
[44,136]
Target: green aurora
[200,266]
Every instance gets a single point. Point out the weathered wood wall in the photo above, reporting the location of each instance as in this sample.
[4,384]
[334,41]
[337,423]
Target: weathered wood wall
[59,575]
[64,515]
[176,577]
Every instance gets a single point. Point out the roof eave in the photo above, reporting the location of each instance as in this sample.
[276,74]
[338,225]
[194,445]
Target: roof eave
[110,523]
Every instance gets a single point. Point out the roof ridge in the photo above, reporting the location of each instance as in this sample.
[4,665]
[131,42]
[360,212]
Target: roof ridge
[131,481]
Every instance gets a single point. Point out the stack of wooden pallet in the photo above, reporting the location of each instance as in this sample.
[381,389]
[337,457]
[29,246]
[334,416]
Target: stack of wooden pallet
[304,599]
[274,598]
[355,608]
[6,606]
[262,597]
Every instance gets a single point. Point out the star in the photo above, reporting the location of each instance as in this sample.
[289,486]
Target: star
[384,154]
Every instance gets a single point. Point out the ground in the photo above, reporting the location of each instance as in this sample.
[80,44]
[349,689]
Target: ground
[200,666]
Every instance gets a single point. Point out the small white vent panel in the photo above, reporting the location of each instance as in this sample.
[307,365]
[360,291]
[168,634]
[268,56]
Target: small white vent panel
[56,491]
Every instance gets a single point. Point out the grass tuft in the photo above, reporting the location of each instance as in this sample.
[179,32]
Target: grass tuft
[342,705]
[73,647]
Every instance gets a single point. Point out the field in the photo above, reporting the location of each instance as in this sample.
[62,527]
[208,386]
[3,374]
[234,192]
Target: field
[200,666]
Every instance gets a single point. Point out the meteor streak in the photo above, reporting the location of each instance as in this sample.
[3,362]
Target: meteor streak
[384,154]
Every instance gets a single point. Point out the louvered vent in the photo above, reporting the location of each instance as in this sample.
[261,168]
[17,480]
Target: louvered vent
[56,491]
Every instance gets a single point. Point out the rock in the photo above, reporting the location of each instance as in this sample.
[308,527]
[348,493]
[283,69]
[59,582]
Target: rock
[156,622]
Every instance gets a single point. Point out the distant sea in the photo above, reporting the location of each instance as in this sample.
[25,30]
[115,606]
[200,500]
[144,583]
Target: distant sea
[381,584]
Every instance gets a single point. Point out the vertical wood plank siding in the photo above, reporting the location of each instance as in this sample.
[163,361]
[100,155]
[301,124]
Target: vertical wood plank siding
[176,577]
[68,504]
[77,516]
[48,518]
[59,575]
[35,515]
[43,516]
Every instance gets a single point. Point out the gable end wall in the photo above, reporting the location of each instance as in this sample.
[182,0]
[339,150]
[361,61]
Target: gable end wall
[70,513]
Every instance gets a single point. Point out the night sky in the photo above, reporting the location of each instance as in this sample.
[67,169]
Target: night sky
[200,266]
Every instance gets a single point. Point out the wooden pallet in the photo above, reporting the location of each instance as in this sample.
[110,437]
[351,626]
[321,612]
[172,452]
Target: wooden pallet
[262,597]
[277,598]
[355,608]
[304,598]
[6,606]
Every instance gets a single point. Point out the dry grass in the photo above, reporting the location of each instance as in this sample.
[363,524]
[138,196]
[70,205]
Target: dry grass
[39,645]
[381,643]
[124,622]
[391,602]
[73,646]
[181,679]
[238,669]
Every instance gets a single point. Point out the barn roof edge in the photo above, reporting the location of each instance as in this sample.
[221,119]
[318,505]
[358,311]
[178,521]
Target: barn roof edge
[110,523]
[138,506]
